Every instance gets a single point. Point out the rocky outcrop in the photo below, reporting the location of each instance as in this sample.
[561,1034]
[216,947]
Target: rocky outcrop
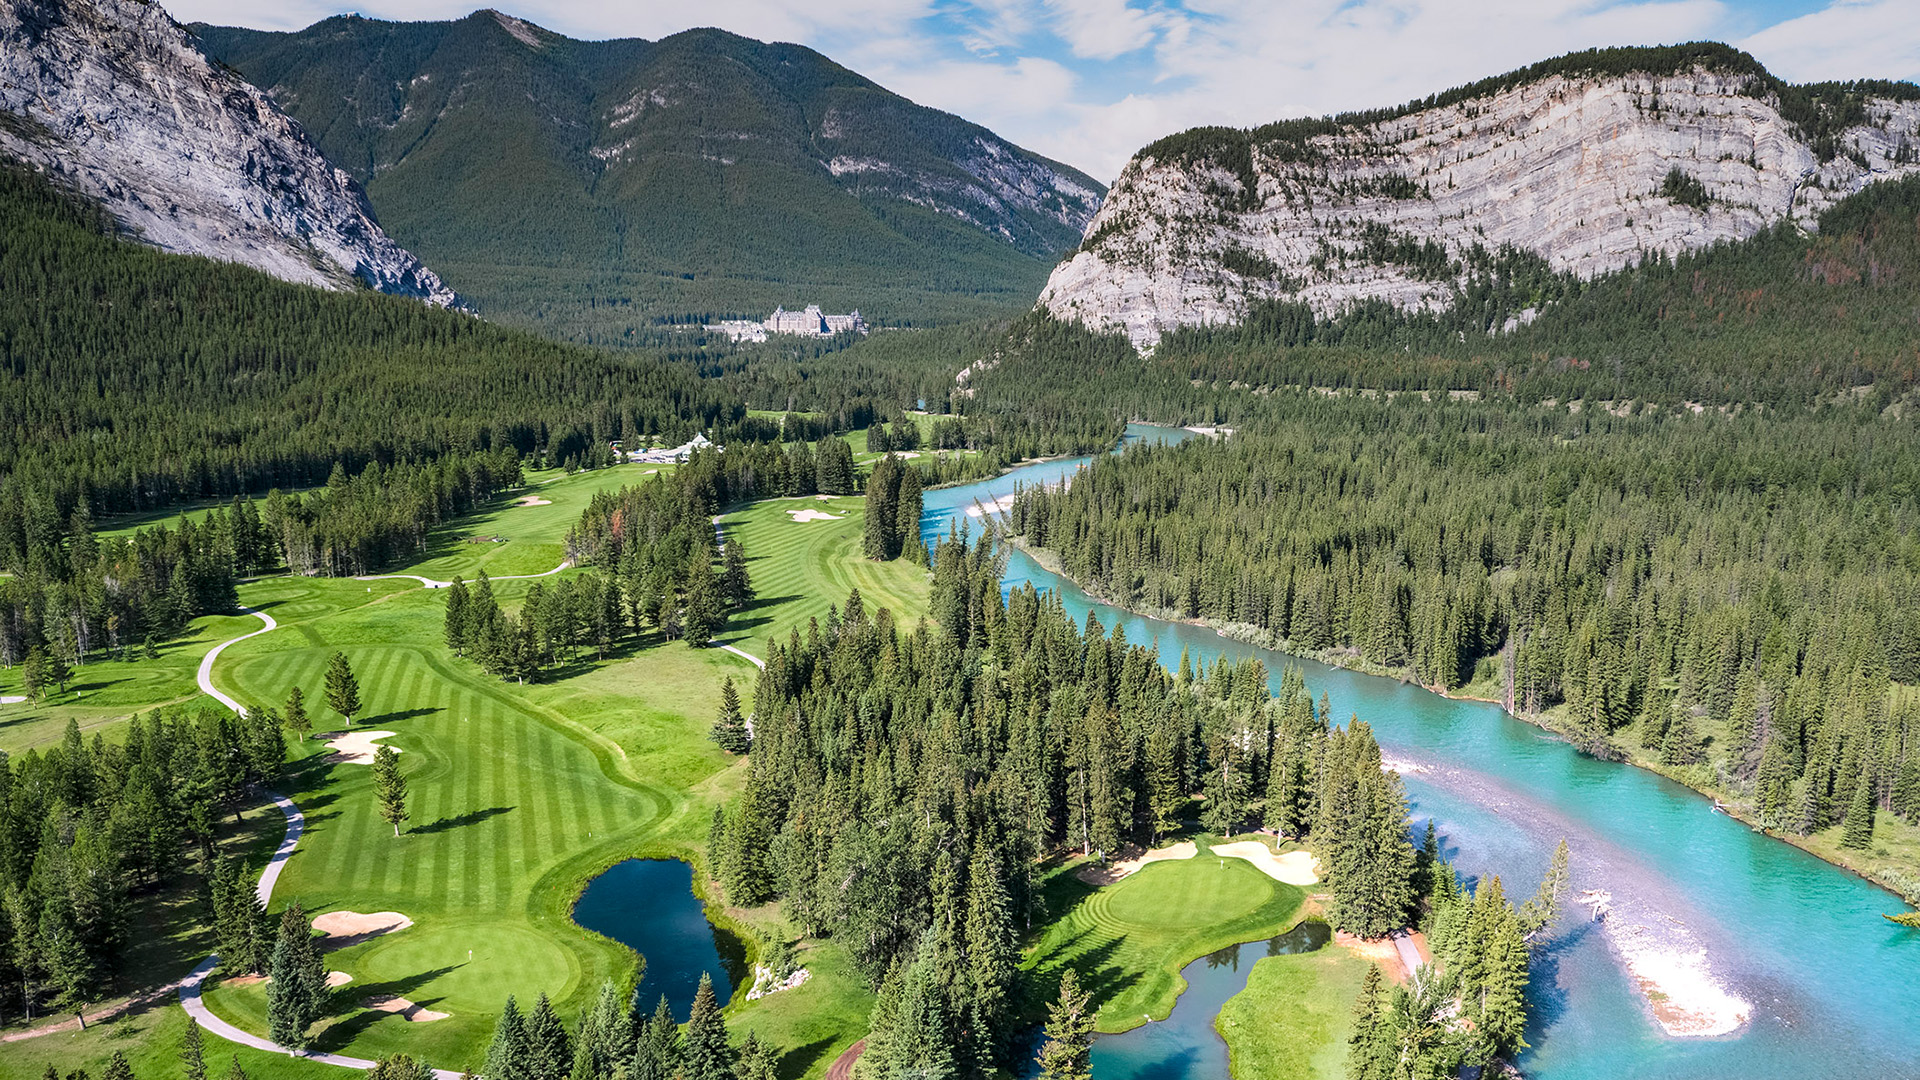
[112,98]
[1591,173]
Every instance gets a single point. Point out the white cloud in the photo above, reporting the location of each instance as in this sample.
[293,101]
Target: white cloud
[1848,40]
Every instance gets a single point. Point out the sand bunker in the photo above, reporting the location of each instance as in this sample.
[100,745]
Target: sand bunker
[355,747]
[12,699]
[1679,987]
[1114,871]
[343,928]
[1294,868]
[337,979]
[408,1010]
[534,500]
[810,514]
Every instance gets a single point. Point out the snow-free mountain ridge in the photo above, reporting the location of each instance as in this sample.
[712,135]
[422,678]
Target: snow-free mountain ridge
[113,100]
[1592,163]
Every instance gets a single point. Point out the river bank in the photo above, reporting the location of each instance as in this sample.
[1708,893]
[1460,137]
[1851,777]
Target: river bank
[1893,863]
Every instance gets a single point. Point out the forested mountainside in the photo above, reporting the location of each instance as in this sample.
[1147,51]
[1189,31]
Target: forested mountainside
[1576,166]
[112,97]
[589,187]
[138,378]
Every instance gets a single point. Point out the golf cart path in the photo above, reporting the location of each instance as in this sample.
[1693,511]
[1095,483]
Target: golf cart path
[190,986]
[435,583]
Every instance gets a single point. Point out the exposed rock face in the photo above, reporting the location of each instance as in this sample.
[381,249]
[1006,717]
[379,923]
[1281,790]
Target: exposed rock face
[112,97]
[1573,169]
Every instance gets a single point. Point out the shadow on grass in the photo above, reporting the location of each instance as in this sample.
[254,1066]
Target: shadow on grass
[340,1033]
[795,1062]
[471,817]
[397,716]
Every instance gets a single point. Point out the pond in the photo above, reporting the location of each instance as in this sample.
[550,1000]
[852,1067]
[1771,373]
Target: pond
[649,906]
[1185,1044]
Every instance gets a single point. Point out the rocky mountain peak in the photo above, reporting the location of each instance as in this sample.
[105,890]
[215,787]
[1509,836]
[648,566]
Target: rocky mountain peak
[113,99]
[1590,163]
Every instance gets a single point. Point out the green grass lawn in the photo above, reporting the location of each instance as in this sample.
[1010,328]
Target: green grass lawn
[800,568]
[1294,1017]
[102,693]
[1128,941]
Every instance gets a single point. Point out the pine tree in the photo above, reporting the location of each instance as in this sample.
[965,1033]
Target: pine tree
[389,786]
[343,690]
[1540,911]
[757,1060]
[193,1061]
[1067,1053]
[878,539]
[118,1068]
[703,616]
[708,1054]
[736,585]
[730,728]
[1858,832]
[295,714]
[234,1071]
[297,986]
[399,1067]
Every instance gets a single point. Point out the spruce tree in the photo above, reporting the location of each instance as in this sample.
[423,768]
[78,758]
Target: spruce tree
[1369,1055]
[234,1071]
[908,506]
[295,714]
[399,1067]
[703,616]
[550,1051]
[343,690]
[1858,832]
[1540,911]
[708,1054]
[657,1054]
[510,1053]
[730,728]
[459,617]
[389,786]
[1067,1053]
[193,1061]
[878,540]
[736,585]
[297,990]
[118,1068]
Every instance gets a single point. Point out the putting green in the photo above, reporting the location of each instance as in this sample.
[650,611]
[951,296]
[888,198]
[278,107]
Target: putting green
[1128,941]
[460,965]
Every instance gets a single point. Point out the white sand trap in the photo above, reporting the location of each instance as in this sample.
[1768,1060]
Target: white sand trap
[408,1011]
[337,979]
[1114,871]
[534,500]
[1294,868]
[351,924]
[810,514]
[12,699]
[906,455]
[356,747]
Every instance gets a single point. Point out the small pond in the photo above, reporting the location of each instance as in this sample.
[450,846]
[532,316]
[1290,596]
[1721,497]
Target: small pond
[649,906]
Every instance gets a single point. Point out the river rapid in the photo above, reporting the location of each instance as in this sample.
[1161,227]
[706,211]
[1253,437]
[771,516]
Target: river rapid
[1787,951]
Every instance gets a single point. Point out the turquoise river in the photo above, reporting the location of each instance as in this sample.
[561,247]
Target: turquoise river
[1700,902]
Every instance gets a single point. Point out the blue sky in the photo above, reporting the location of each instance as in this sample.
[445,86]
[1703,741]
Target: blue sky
[1090,81]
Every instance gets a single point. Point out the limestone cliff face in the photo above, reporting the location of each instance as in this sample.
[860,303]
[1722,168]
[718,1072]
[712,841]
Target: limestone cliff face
[1577,170]
[112,98]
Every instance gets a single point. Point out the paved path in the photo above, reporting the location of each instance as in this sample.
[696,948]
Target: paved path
[747,656]
[190,999]
[206,665]
[1409,953]
[435,583]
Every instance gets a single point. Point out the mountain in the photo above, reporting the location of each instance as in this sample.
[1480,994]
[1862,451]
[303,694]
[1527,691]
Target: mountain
[1576,166]
[111,98]
[591,187]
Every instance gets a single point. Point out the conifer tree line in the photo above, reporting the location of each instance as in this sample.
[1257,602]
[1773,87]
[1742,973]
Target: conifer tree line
[893,508]
[616,1039]
[88,825]
[1468,1007]
[905,786]
[140,379]
[1656,583]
